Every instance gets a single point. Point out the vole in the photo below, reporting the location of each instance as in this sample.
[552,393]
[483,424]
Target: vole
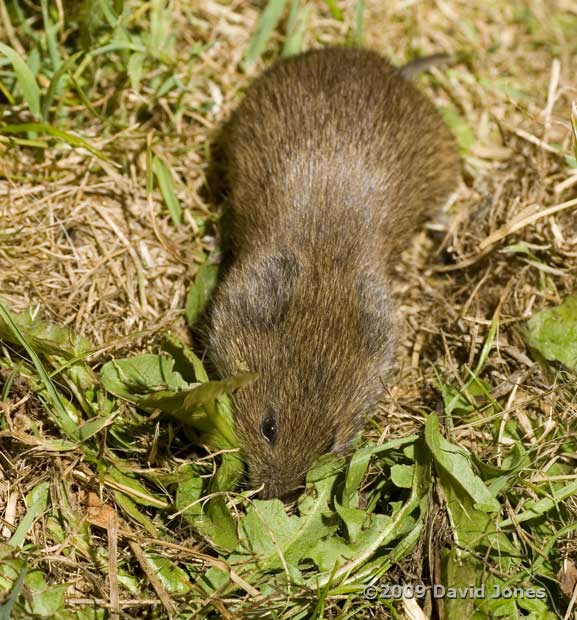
[333,158]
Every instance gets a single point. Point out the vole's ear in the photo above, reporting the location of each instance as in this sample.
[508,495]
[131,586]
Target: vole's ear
[269,285]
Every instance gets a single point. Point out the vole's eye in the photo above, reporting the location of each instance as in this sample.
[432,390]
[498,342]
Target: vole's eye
[269,427]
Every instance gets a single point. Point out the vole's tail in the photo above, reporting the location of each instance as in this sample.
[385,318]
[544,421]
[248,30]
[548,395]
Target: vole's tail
[411,69]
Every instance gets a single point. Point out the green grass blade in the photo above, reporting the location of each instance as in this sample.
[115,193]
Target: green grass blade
[296,33]
[357,34]
[574,126]
[164,178]
[6,608]
[26,79]
[38,500]
[268,21]
[55,83]
[50,30]
[61,135]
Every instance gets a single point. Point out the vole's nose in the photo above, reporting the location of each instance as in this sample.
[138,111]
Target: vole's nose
[286,494]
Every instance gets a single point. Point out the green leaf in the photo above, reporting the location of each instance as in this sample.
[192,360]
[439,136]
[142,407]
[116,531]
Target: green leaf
[189,492]
[50,32]
[218,523]
[211,517]
[116,46]
[44,337]
[44,600]
[536,508]
[186,362]
[63,418]
[143,380]
[136,377]
[200,292]
[175,580]
[37,501]
[553,333]
[469,504]
[193,408]
[164,178]
[353,518]
[94,426]
[131,509]
[280,541]
[359,463]
[381,530]
[268,21]
[125,483]
[460,570]
[402,476]
[456,462]
[26,79]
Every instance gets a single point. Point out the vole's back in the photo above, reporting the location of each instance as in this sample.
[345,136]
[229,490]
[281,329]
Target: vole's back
[336,137]
[332,159]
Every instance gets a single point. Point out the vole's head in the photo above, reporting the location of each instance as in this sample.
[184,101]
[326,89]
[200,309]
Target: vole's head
[321,339]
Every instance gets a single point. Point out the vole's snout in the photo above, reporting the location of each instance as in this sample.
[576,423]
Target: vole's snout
[285,494]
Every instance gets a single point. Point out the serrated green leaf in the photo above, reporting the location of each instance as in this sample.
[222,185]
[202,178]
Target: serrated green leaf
[456,462]
[383,529]
[353,518]
[186,363]
[187,406]
[281,541]
[359,463]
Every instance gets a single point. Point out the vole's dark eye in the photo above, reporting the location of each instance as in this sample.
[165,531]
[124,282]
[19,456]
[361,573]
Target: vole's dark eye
[269,427]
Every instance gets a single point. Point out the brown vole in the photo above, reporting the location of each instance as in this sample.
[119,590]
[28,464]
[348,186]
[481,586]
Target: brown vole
[333,159]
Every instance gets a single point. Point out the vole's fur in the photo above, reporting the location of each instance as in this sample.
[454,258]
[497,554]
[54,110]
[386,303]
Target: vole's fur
[333,159]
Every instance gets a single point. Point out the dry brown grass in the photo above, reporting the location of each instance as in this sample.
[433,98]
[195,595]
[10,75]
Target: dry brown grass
[82,239]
